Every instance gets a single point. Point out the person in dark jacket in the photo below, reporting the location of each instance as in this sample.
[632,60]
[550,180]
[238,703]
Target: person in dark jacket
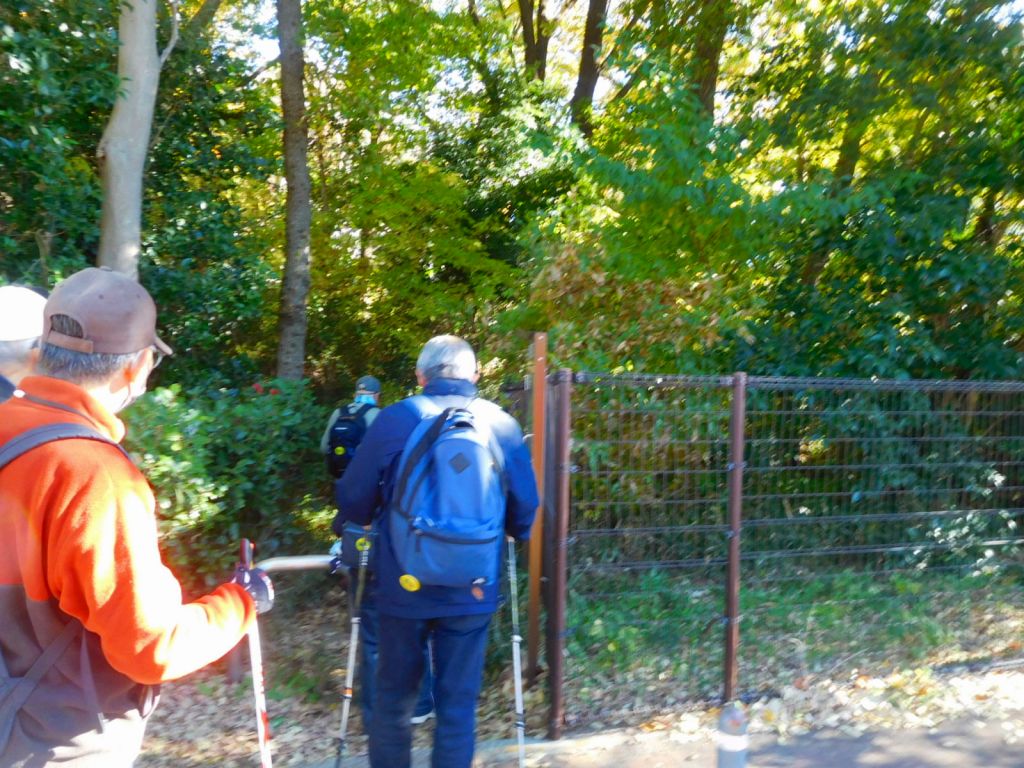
[368,394]
[454,618]
[366,400]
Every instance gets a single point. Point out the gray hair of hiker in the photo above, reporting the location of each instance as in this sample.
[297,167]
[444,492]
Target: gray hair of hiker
[446,357]
[13,354]
[79,367]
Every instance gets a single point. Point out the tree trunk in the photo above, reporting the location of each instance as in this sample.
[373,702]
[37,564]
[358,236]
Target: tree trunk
[201,20]
[842,179]
[122,150]
[492,87]
[713,22]
[291,351]
[986,231]
[529,41]
[581,105]
[536,35]
[543,38]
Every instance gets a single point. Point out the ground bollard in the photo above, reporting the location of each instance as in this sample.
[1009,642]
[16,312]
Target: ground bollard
[732,737]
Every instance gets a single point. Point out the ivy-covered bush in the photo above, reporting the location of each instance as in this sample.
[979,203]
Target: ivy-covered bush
[231,463]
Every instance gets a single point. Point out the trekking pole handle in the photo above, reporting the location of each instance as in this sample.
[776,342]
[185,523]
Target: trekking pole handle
[295,563]
[245,553]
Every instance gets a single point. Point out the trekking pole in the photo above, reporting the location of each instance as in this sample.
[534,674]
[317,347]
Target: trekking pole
[517,662]
[288,563]
[363,545]
[256,661]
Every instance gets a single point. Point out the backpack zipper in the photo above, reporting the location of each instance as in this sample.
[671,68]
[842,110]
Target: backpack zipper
[449,539]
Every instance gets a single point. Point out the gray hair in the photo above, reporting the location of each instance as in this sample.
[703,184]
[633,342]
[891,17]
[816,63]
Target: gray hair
[14,354]
[446,357]
[78,367]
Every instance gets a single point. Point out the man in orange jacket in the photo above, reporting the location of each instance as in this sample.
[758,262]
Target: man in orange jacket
[92,619]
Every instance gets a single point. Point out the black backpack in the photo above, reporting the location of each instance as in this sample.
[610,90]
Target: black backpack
[344,437]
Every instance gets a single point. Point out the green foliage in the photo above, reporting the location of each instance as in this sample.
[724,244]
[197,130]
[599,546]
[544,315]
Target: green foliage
[837,218]
[659,181]
[57,84]
[657,633]
[204,256]
[421,189]
[854,207]
[227,464]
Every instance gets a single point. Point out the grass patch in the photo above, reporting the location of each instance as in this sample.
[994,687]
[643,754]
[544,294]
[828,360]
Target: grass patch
[651,637]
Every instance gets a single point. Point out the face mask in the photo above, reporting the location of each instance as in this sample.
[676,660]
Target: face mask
[131,395]
[368,399]
[129,398]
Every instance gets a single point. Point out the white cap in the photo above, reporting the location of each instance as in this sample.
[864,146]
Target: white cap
[21,313]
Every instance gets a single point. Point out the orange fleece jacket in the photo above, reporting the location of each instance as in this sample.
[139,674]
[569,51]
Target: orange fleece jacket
[78,526]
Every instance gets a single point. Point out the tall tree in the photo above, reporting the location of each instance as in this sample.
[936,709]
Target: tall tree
[122,150]
[583,97]
[536,29]
[713,22]
[291,350]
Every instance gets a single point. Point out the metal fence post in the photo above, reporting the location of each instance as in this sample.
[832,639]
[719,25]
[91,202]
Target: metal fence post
[737,420]
[538,446]
[559,540]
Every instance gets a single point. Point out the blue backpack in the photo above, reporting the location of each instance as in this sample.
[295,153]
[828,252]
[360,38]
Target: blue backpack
[6,389]
[447,511]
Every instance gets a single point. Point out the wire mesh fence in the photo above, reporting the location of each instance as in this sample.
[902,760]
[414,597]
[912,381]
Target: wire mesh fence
[647,542]
[880,526]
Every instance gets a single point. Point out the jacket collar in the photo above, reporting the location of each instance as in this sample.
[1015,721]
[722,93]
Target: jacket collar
[442,387]
[73,396]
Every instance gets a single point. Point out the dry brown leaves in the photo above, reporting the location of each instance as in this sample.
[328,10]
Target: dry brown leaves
[206,721]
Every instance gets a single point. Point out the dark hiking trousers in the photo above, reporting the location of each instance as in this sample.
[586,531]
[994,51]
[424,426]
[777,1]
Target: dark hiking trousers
[459,643]
[368,653]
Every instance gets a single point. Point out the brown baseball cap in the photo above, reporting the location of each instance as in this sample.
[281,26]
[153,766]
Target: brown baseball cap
[117,315]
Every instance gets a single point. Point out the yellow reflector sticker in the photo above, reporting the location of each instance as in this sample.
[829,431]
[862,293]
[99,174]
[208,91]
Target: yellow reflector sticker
[362,543]
[409,582]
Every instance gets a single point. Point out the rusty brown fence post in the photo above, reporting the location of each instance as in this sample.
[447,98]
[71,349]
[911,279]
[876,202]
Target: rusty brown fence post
[538,445]
[737,438]
[559,542]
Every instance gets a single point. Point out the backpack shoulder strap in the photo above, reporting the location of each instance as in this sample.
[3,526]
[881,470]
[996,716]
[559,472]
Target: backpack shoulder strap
[49,433]
[497,453]
[16,696]
[412,453]
[364,408]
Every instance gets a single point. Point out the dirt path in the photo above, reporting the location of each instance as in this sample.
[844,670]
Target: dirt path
[960,743]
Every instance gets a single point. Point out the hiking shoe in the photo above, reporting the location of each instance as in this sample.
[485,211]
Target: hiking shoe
[420,719]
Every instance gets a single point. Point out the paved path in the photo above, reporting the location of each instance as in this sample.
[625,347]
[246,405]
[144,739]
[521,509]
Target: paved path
[963,743]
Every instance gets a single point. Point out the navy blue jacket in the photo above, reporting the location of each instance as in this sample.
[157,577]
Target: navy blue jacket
[363,493]
[6,388]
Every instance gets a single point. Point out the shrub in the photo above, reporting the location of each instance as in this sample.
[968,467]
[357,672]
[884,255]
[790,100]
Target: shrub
[228,463]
